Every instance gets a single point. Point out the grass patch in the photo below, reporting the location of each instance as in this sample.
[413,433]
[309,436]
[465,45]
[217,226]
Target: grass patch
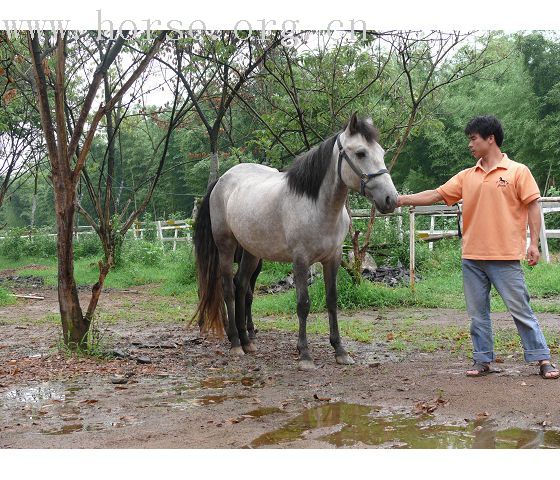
[354,329]
[175,276]
[6,298]
[273,272]
[407,337]
[97,345]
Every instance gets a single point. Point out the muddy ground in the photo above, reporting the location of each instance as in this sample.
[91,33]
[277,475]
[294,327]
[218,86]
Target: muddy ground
[191,393]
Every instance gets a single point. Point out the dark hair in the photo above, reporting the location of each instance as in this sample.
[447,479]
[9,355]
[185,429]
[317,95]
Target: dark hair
[486,125]
[308,171]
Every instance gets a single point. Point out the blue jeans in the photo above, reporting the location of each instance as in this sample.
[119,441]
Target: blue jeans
[507,277]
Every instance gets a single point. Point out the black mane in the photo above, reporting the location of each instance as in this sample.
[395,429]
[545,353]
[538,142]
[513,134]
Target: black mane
[308,171]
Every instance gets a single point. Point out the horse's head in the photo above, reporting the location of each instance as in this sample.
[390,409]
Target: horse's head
[361,165]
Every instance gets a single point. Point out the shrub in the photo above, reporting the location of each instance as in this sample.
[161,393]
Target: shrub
[12,245]
[142,252]
[150,229]
[184,269]
[88,246]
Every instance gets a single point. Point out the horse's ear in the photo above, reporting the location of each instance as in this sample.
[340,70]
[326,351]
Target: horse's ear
[353,124]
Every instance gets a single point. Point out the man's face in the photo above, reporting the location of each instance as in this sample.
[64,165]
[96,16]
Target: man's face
[479,146]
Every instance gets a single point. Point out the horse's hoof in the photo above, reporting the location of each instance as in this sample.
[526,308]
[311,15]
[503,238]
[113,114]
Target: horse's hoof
[237,351]
[249,348]
[344,359]
[306,365]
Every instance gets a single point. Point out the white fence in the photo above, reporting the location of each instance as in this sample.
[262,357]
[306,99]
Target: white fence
[166,231]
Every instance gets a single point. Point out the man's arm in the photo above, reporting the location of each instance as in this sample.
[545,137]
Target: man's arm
[534,216]
[427,197]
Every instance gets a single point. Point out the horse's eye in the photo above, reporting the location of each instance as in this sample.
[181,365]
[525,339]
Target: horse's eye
[361,154]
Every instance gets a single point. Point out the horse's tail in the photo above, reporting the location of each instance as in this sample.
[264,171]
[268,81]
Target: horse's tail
[210,313]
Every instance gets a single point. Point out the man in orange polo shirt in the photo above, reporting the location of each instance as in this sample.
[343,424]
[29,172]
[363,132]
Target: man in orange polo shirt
[499,199]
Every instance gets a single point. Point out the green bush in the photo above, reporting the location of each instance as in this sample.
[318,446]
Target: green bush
[88,246]
[142,252]
[150,229]
[39,245]
[19,243]
[183,271]
[12,245]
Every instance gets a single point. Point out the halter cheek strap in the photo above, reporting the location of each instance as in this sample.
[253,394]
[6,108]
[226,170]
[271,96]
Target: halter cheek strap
[364,177]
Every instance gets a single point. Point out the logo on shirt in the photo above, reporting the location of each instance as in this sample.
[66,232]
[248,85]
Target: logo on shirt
[502,182]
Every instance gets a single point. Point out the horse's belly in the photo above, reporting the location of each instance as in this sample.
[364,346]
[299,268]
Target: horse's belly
[261,236]
[256,223]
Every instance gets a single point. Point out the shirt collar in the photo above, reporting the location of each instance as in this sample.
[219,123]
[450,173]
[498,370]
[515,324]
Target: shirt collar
[504,163]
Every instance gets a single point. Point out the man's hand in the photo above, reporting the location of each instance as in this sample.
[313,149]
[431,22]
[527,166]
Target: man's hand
[533,255]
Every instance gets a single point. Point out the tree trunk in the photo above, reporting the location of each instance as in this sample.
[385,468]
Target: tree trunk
[34,203]
[74,326]
[214,160]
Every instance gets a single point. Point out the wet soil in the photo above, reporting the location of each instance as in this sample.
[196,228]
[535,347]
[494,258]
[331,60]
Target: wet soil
[165,387]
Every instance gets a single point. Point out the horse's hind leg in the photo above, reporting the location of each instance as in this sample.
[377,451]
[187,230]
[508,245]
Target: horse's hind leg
[330,269]
[249,302]
[247,267]
[226,246]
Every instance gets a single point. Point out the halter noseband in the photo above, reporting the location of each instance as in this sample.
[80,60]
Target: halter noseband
[364,177]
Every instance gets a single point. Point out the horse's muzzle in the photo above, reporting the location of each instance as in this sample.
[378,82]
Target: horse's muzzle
[388,206]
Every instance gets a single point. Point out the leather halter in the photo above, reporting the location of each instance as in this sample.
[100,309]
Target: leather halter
[364,177]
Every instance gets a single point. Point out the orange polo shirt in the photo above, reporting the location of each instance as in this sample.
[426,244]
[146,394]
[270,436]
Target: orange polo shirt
[494,209]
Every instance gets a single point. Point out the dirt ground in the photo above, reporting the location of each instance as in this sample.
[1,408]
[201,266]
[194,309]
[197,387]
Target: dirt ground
[169,388]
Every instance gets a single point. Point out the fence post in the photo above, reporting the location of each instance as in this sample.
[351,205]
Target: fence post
[412,229]
[159,231]
[175,236]
[542,234]
[432,228]
[399,223]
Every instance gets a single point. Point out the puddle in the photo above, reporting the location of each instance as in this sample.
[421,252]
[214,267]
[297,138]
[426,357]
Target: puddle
[262,412]
[92,427]
[66,429]
[35,395]
[347,425]
[55,409]
[206,400]
[222,382]
[38,396]
[213,383]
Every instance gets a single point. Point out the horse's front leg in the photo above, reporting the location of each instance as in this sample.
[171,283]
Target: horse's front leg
[330,269]
[249,302]
[301,272]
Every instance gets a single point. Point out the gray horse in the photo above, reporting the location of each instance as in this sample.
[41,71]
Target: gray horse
[297,216]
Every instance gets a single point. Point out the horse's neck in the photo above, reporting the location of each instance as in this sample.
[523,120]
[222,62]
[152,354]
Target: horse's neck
[333,191]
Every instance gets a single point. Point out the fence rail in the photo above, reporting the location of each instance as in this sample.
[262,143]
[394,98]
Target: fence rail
[137,232]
